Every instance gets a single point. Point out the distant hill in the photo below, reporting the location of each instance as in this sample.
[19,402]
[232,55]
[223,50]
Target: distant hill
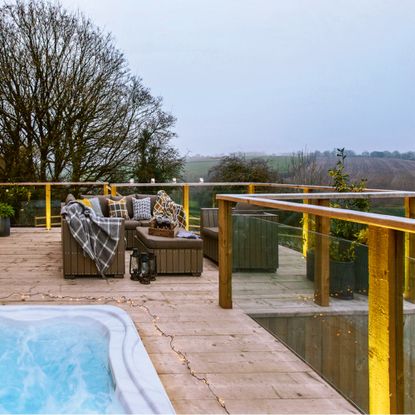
[382,173]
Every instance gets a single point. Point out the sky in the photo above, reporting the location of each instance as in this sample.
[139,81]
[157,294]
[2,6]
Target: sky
[272,76]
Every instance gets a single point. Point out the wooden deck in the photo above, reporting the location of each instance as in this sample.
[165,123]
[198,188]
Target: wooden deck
[210,360]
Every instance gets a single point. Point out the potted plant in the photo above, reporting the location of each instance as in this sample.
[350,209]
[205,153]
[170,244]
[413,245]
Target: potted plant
[6,212]
[361,261]
[342,248]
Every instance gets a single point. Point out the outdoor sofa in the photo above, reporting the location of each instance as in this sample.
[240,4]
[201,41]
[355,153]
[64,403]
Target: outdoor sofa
[255,237]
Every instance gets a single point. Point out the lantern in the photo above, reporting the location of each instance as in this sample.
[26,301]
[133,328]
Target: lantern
[135,265]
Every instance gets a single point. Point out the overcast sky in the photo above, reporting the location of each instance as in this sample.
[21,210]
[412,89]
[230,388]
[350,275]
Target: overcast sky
[271,75]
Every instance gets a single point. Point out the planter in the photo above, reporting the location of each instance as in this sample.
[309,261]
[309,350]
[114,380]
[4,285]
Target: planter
[4,227]
[342,279]
[361,269]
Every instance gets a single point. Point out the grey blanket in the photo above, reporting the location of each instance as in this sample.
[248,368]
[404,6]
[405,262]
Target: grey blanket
[98,236]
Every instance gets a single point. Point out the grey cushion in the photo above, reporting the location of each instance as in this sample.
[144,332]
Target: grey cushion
[211,232]
[131,224]
[153,199]
[161,242]
[142,208]
[145,223]
[96,206]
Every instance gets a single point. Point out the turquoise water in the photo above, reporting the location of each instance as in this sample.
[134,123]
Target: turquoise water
[55,367]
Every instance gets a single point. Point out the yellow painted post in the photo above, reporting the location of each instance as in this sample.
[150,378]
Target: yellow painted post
[409,293]
[385,321]
[306,228]
[186,203]
[322,259]
[251,188]
[225,253]
[48,208]
[113,190]
[105,189]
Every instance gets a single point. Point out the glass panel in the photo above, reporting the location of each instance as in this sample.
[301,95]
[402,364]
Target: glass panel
[333,339]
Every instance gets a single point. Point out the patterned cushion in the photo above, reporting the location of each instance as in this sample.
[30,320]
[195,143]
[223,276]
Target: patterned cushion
[165,206]
[118,209]
[142,208]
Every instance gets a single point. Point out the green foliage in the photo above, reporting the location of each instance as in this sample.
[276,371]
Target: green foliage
[236,168]
[344,229]
[6,210]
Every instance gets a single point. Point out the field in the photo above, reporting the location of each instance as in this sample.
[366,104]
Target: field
[199,167]
[381,173]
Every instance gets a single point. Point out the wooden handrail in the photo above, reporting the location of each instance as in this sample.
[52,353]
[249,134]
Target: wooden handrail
[366,218]
[54,183]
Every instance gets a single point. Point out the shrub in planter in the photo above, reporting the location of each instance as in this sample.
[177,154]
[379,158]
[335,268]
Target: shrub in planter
[6,212]
[342,248]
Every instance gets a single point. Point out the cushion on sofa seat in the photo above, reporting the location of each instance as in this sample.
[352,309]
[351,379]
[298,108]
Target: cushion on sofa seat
[118,209]
[211,232]
[142,208]
[70,198]
[128,201]
[161,242]
[153,199]
[145,223]
[131,224]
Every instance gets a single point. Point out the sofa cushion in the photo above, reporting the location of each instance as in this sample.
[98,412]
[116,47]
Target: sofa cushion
[145,223]
[131,224]
[103,202]
[161,242]
[153,199]
[211,232]
[129,203]
[70,198]
[142,208]
[118,209]
[96,206]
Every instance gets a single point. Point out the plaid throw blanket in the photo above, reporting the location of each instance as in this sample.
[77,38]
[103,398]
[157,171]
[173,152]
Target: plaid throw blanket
[98,236]
[165,206]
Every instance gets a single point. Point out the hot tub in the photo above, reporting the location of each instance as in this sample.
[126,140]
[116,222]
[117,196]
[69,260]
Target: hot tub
[93,352]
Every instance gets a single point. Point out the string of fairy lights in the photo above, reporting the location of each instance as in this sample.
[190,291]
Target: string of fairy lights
[23,297]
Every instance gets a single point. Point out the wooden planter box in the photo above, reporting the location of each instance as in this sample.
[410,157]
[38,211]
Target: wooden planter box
[167,233]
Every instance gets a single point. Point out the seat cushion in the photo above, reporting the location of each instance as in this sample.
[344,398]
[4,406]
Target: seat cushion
[131,224]
[145,223]
[211,232]
[161,242]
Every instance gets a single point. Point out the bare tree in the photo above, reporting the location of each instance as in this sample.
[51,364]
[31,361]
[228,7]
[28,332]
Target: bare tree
[69,106]
[304,168]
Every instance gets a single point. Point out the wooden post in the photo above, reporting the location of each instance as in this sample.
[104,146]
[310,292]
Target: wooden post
[322,259]
[48,208]
[113,190]
[306,228]
[385,321]
[409,293]
[225,253]
[185,203]
[105,189]
[251,188]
